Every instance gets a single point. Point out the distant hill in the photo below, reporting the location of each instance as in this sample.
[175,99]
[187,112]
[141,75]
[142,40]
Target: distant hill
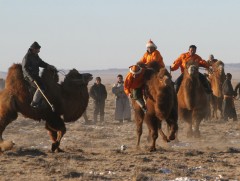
[109,75]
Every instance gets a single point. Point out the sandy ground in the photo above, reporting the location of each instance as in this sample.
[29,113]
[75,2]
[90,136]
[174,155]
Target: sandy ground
[93,152]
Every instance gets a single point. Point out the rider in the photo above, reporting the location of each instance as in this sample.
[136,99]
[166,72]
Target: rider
[152,54]
[181,62]
[133,85]
[211,60]
[30,66]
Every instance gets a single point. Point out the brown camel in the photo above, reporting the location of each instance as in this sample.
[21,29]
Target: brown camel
[216,78]
[161,103]
[70,99]
[193,102]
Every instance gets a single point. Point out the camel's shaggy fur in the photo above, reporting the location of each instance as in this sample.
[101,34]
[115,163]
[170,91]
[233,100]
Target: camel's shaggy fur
[216,79]
[70,99]
[193,102]
[161,103]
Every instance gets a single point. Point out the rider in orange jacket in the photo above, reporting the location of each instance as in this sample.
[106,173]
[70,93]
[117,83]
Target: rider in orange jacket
[152,54]
[133,85]
[181,62]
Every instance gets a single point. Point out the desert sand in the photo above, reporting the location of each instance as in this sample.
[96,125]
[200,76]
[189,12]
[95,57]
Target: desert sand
[93,152]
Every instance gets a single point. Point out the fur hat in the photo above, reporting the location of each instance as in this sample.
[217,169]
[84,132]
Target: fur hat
[135,69]
[150,44]
[35,45]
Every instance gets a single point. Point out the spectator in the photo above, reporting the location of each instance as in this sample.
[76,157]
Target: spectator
[229,110]
[122,110]
[98,93]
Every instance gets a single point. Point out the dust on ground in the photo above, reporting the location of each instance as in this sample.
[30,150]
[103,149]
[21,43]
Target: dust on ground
[93,152]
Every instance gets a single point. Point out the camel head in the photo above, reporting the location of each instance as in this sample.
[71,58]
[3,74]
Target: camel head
[192,68]
[218,67]
[164,77]
[76,78]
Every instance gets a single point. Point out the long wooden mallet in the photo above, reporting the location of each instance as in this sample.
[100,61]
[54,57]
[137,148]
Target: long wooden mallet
[51,105]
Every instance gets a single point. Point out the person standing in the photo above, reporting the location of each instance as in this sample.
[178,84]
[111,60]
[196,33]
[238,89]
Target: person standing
[98,93]
[229,110]
[122,110]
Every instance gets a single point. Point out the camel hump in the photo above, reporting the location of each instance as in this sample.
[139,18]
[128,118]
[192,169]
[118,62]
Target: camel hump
[14,76]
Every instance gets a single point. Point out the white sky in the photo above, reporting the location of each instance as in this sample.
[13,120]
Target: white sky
[102,34]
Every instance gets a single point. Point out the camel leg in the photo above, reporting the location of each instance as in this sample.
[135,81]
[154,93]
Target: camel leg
[6,117]
[56,130]
[139,124]
[196,128]
[187,117]
[153,124]
[154,135]
[164,137]
[172,123]
[173,128]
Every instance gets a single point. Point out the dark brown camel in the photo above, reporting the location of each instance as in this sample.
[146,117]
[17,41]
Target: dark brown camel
[70,99]
[161,103]
[216,78]
[193,102]
[237,90]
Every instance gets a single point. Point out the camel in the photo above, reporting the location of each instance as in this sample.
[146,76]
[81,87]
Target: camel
[216,78]
[70,99]
[193,101]
[237,90]
[161,103]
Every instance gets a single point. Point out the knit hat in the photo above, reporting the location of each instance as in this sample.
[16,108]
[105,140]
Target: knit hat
[135,69]
[151,44]
[35,45]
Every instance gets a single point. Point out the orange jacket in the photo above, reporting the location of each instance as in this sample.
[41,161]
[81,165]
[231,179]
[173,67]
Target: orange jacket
[148,57]
[133,83]
[184,58]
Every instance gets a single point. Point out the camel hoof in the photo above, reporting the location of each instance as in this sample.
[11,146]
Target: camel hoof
[55,146]
[6,145]
[59,150]
[172,137]
[152,149]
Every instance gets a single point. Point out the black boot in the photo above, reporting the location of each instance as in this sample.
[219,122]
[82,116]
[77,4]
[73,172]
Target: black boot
[141,103]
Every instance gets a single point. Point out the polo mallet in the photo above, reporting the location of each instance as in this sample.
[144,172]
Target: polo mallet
[52,107]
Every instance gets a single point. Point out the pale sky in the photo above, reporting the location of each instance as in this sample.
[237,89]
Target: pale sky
[103,34]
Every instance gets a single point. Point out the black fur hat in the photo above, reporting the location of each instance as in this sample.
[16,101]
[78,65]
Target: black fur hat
[35,45]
